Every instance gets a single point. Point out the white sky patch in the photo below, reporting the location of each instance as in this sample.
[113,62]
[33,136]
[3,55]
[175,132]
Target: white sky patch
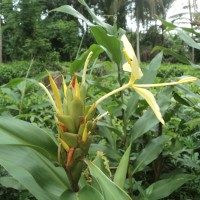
[176,8]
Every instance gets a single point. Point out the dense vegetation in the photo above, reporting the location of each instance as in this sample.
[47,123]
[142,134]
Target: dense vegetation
[138,155]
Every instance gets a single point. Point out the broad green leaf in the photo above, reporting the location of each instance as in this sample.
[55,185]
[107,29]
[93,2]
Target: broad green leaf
[106,133]
[109,43]
[180,99]
[150,71]
[187,39]
[78,64]
[169,25]
[86,193]
[109,189]
[10,182]
[149,76]
[99,21]
[182,33]
[150,153]
[71,11]
[165,187]
[18,132]
[120,174]
[149,118]
[168,51]
[35,172]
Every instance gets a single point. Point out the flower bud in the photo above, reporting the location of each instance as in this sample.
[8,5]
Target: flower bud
[68,121]
[70,138]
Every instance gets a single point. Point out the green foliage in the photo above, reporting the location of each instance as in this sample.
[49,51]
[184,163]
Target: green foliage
[18,69]
[142,158]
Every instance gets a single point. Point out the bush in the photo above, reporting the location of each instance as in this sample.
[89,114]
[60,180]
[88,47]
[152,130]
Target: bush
[18,69]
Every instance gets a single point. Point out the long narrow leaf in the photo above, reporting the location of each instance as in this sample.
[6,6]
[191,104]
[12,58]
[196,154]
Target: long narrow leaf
[150,153]
[165,187]
[109,189]
[120,174]
[10,182]
[14,131]
[71,11]
[99,21]
[34,171]
[86,193]
[78,64]
[109,43]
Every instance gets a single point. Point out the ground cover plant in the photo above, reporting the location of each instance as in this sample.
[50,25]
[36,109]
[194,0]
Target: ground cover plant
[87,154]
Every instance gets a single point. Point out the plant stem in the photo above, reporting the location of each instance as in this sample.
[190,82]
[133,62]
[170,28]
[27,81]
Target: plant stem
[24,89]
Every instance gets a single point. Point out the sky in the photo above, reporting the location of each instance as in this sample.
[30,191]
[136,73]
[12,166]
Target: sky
[176,8]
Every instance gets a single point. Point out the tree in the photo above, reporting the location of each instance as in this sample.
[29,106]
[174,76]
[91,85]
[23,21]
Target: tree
[144,12]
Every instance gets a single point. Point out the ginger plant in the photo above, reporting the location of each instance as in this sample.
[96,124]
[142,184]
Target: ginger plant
[74,118]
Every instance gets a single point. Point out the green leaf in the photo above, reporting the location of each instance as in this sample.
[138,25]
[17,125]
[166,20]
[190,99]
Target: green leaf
[78,64]
[150,153]
[71,11]
[89,192]
[193,123]
[35,172]
[150,71]
[109,43]
[102,162]
[165,187]
[169,25]
[18,132]
[149,118]
[10,182]
[98,20]
[120,174]
[109,152]
[182,33]
[168,51]
[187,39]
[180,99]
[109,189]
[86,193]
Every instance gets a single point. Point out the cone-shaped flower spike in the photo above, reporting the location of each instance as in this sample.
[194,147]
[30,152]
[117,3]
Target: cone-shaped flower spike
[73,122]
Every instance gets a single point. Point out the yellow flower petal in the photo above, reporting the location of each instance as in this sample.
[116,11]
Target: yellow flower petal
[183,80]
[128,47]
[85,133]
[50,97]
[187,79]
[64,87]
[148,96]
[56,93]
[131,58]
[64,144]
[127,67]
[77,89]
[85,66]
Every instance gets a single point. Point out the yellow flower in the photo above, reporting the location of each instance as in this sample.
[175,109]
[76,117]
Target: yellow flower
[132,66]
